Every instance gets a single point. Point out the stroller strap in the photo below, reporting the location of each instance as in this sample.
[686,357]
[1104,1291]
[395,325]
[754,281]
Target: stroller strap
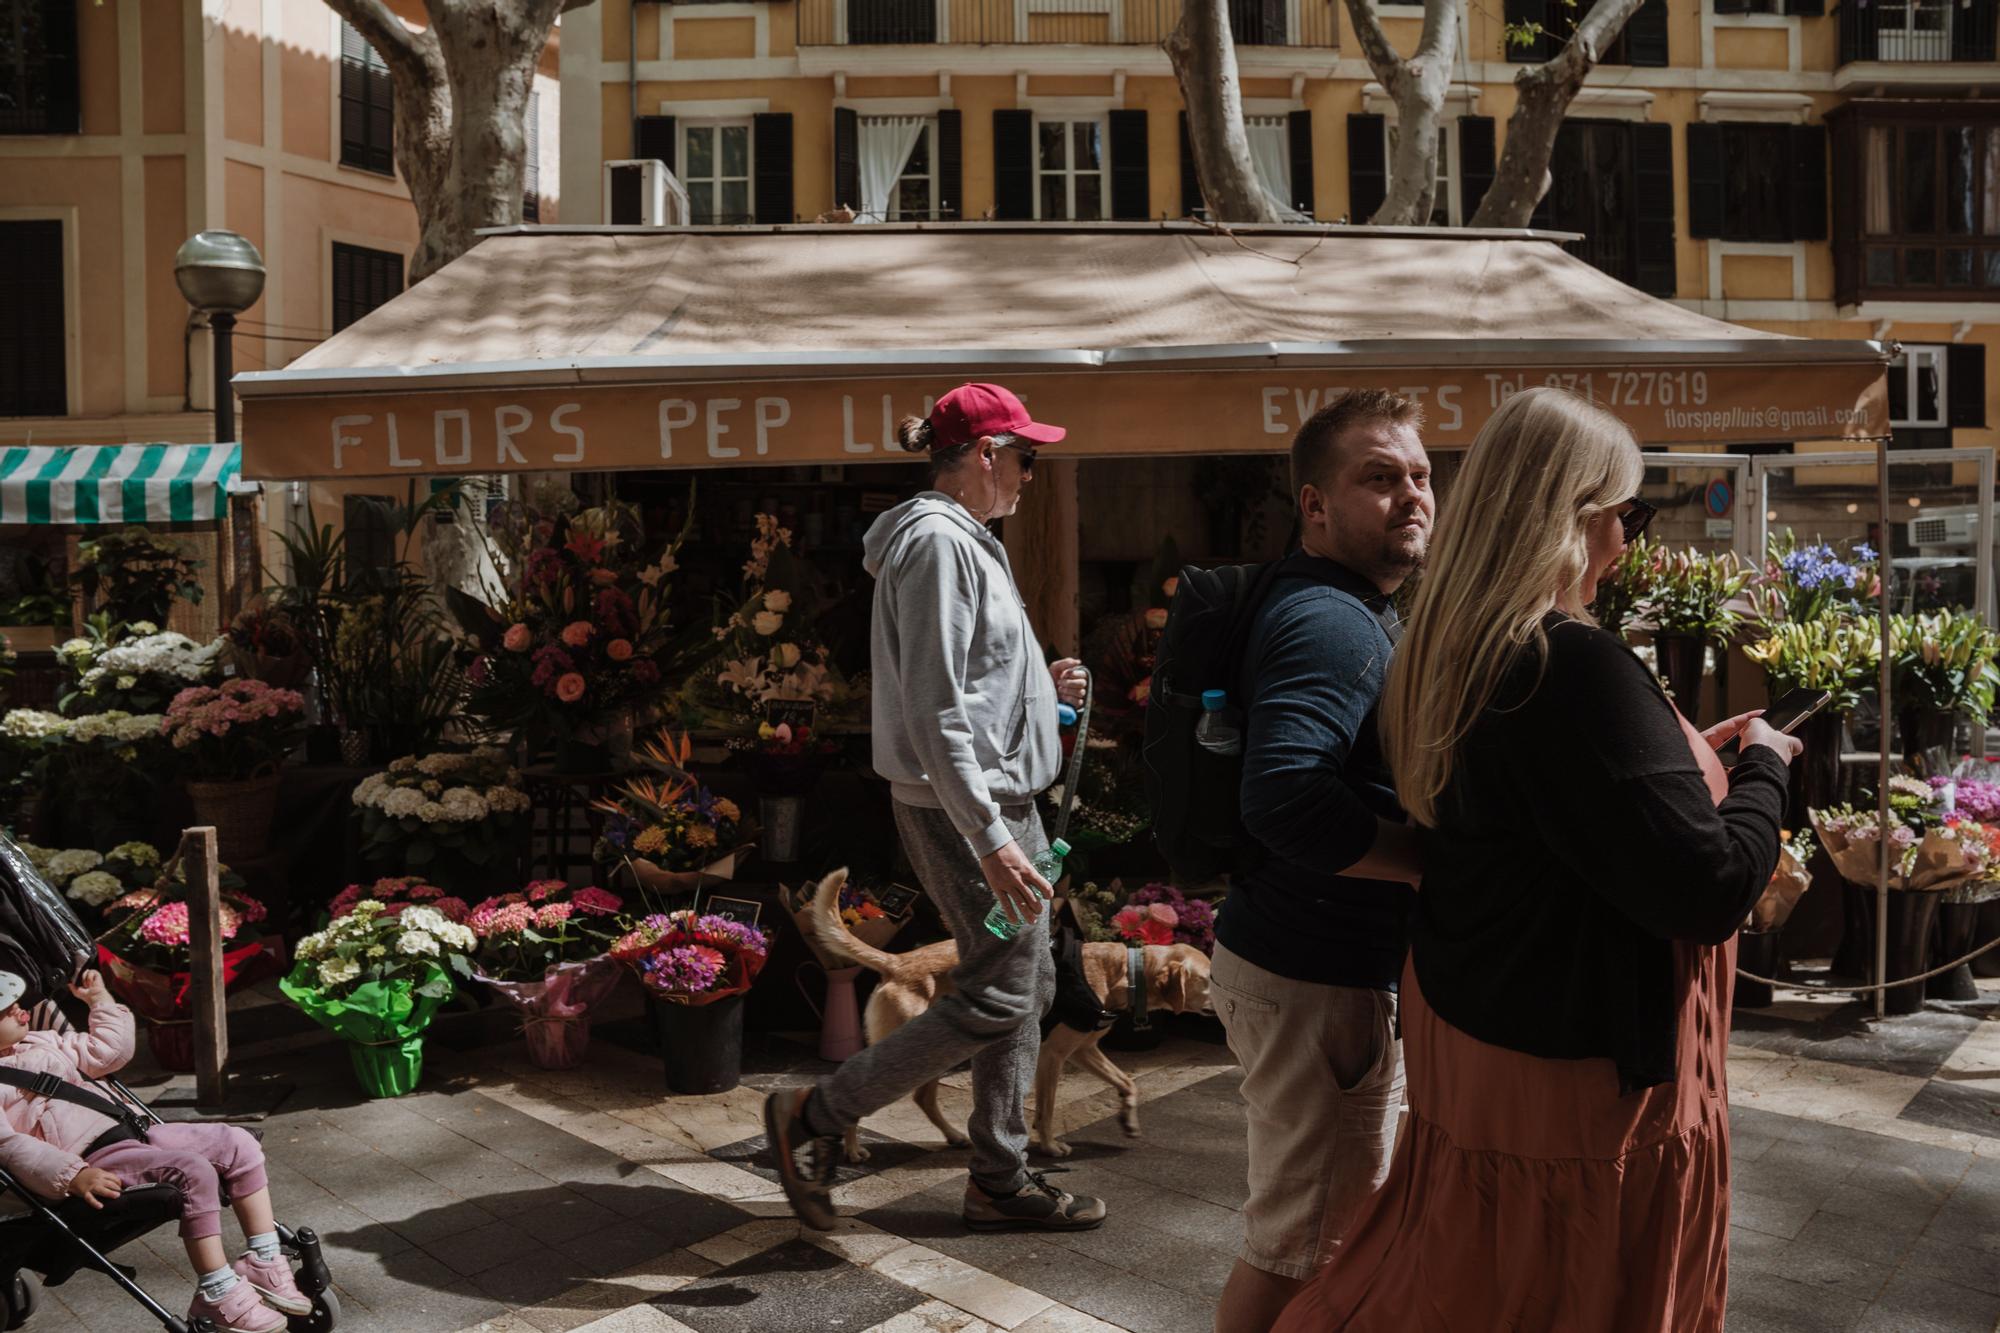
[62,1090]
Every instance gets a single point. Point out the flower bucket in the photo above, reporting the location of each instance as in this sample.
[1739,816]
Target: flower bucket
[555,1011]
[1756,953]
[783,818]
[389,1068]
[242,811]
[1911,916]
[383,1025]
[1683,661]
[701,1045]
[1957,931]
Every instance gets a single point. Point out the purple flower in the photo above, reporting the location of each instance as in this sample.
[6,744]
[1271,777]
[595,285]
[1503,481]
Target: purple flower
[688,969]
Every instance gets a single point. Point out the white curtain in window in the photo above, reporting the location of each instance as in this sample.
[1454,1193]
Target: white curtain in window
[1876,219]
[1271,154]
[885,145]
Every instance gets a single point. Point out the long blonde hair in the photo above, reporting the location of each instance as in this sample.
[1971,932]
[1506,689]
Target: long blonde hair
[1514,542]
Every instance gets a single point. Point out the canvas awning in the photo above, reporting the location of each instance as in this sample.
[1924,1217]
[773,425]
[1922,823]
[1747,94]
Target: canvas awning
[594,348]
[118,483]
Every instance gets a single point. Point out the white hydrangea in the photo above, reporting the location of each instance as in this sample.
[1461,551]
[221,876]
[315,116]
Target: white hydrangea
[418,944]
[75,652]
[338,971]
[437,765]
[116,726]
[94,888]
[167,654]
[370,790]
[406,764]
[32,724]
[311,947]
[142,628]
[402,802]
[38,857]
[506,800]
[463,805]
[430,811]
[66,866]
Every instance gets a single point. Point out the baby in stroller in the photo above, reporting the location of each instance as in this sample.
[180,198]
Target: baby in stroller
[57,1147]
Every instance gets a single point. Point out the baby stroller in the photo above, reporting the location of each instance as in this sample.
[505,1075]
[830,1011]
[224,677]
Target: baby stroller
[42,941]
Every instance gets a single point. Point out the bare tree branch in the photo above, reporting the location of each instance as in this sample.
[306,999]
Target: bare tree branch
[1202,50]
[1418,86]
[399,46]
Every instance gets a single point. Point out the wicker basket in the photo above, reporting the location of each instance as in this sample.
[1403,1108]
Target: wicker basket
[242,811]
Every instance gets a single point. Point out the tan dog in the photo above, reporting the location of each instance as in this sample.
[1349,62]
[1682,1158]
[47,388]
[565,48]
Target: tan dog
[1176,980]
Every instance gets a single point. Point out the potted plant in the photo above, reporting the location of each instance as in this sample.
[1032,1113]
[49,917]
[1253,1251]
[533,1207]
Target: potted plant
[1805,583]
[670,832]
[263,644]
[1943,665]
[1623,591]
[455,819]
[39,611]
[698,968]
[543,950]
[229,740]
[132,667]
[132,574]
[1688,600]
[376,978]
[785,763]
[144,947]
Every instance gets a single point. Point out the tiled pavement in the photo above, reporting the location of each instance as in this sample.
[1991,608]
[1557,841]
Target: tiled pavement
[505,1198]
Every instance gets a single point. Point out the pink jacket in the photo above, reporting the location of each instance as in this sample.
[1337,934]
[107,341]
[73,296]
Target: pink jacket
[41,1138]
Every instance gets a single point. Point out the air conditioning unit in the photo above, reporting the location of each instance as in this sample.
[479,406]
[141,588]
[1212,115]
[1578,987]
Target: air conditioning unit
[641,192]
[1944,530]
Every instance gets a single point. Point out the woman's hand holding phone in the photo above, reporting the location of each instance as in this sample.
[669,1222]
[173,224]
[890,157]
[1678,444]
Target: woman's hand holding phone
[1759,732]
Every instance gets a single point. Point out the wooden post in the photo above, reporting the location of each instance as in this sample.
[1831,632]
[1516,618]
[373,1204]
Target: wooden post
[211,1019]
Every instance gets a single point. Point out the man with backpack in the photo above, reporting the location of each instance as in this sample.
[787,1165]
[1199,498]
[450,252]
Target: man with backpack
[1310,943]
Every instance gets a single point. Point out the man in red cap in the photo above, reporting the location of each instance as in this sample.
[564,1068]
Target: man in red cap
[965,732]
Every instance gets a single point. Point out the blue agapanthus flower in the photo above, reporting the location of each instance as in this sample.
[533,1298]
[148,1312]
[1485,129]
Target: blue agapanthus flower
[1820,566]
[1864,553]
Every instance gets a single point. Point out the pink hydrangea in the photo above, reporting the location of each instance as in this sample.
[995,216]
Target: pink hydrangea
[594,901]
[544,889]
[552,915]
[168,926]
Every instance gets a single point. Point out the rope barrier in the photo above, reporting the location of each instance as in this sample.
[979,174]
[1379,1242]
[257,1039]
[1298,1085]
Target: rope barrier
[1987,947]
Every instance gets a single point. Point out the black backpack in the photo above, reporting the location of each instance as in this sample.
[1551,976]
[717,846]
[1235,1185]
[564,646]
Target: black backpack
[1196,795]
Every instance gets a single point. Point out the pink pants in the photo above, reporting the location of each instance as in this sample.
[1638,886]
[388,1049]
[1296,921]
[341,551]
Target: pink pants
[194,1159]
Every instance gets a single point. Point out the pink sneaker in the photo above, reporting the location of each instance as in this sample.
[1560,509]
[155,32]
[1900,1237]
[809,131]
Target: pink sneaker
[240,1310]
[274,1282]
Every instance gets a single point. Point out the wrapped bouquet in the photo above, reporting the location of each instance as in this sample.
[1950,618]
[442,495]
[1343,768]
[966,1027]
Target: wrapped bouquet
[544,950]
[1931,846]
[1789,881]
[670,831]
[691,959]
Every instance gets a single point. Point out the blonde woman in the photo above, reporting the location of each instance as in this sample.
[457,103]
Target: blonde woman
[1565,1162]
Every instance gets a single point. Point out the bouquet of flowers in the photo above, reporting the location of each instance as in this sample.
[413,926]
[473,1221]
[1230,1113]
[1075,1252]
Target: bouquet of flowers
[875,913]
[376,979]
[544,950]
[144,947]
[395,894]
[1801,584]
[134,668]
[1689,593]
[1931,846]
[1162,914]
[263,644]
[670,831]
[234,730]
[784,760]
[1789,881]
[1944,662]
[578,632]
[452,818]
[770,655]
[685,958]
[1830,653]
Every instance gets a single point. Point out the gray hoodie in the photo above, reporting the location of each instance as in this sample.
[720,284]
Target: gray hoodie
[964,708]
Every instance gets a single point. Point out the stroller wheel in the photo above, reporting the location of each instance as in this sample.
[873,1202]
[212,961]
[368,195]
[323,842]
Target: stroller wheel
[23,1298]
[324,1318]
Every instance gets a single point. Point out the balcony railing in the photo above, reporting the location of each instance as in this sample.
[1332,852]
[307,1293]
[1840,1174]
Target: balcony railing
[1925,32]
[1052,22]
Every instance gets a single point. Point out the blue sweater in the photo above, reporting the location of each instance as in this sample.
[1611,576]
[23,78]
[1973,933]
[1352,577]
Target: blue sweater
[1314,781]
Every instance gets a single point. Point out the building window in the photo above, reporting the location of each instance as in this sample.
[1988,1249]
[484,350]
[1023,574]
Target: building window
[1760,183]
[1642,41]
[34,368]
[367,106]
[715,162]
[1444,199]
[1069,164]
[362,280]
[1613,181]
[1917,389]
[38,68]
[1930,206]
[531,162]
[915,196]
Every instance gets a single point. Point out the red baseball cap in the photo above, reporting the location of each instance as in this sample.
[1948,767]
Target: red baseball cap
[974,410]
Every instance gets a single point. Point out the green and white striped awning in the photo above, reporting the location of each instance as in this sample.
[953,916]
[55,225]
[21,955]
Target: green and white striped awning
[118,483]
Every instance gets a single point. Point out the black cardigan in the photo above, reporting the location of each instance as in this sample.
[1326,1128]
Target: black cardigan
[1576,841]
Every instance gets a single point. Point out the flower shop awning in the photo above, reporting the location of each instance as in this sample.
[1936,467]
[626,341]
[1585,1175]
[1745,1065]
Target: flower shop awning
[118,483]
[595,348]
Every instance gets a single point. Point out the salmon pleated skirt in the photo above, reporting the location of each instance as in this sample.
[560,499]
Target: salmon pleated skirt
[1527,1195]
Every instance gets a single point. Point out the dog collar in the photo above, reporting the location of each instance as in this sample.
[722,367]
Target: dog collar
[1135,974]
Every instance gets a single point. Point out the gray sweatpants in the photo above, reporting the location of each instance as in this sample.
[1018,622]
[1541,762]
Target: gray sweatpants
[1001,989]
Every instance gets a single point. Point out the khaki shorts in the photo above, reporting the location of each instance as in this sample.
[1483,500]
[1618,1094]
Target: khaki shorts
[1323,1077]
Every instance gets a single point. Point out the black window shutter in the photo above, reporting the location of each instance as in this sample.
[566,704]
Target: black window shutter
[1013,164]
[1806,8]
[1972,32]
[1808,182]
[846,158]
[381,117]
[1707,146]
[531,162]
[1516,13]
[1191,200]
[61,72]
[1646,35]
[1653,209]
[653,137]
[1475,162]
[771,134]
[1367,166]
[950,165]
[33,375]
[1299,127]
[1131,177]
[1562,155]
[1732,6]
[1965,389]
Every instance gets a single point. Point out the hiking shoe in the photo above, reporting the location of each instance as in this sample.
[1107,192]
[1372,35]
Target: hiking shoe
[806,1161]
[1036,1206]
[274,1282]
[238,1310]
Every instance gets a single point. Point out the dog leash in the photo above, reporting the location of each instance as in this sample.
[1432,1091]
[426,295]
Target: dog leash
[1075,756]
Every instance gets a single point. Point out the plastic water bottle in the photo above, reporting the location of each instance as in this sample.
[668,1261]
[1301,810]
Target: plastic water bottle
[1049,865]
[1215,733]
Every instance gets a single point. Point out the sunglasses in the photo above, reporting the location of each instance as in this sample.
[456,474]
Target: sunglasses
[1027,458]
[1636,519]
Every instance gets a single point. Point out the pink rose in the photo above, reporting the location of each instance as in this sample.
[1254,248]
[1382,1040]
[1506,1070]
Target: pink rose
[618,650]
[516,639]
[577,633]
[569,687]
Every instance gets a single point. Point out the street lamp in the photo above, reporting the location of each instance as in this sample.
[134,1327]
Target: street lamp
[221,274]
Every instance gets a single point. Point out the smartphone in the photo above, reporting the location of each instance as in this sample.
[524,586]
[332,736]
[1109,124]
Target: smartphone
[1786,715]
